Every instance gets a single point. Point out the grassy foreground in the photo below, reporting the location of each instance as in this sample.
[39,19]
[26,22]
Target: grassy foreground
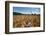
[21,21]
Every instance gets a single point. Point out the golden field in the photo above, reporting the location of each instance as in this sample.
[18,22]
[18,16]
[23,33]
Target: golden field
[21,21]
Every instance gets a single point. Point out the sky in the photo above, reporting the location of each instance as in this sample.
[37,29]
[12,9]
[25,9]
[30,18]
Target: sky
[26,10]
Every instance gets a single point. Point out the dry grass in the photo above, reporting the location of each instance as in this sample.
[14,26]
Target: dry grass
[26,21]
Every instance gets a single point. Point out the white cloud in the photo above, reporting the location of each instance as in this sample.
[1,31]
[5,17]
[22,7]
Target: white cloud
[30,12]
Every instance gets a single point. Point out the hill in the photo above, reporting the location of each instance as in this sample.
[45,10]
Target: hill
[15,13]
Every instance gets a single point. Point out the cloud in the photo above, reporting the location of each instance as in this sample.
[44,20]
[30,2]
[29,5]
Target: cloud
[29,12]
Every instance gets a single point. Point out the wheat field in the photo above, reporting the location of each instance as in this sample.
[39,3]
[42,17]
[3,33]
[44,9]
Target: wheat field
[22,21]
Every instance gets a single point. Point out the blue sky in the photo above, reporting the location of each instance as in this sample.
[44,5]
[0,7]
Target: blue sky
[26,10]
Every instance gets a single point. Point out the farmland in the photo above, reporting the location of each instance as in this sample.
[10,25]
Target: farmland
[21,21]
